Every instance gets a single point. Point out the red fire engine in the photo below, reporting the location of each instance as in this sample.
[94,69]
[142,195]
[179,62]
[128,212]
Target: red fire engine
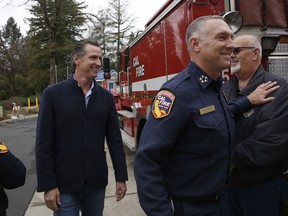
[160,52]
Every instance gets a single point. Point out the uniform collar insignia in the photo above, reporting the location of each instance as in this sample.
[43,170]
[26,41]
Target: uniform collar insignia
[203,79]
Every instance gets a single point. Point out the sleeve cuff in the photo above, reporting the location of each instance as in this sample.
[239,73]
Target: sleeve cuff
[240,106]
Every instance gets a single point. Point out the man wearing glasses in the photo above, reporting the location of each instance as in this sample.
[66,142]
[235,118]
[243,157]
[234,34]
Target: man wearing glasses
[259,153]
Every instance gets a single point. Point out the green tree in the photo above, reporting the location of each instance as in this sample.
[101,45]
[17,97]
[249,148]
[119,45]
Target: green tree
[12,58]
[113,28]
[122,25]
[101,30]
[55,25]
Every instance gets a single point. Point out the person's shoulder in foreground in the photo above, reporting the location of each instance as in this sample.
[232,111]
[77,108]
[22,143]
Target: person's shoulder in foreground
[12,174]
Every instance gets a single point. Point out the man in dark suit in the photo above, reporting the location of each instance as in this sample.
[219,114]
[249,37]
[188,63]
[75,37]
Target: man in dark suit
[75,118]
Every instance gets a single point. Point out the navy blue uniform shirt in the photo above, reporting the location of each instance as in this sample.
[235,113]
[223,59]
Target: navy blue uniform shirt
[12,174]
[185,151]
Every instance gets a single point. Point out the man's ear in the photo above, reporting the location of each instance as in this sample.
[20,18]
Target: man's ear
[194,43]
[75,59]
[256,54]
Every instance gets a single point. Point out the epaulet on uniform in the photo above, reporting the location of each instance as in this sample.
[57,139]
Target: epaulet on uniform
[3,148]
[174,82]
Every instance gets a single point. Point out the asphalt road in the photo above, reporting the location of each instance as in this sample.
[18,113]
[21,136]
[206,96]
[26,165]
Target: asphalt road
[19,136]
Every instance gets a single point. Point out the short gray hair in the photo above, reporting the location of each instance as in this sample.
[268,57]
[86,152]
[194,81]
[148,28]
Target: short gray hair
[252,41]
[197,27]
[255,42]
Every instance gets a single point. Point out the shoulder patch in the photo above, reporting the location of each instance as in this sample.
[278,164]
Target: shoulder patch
[162,104]
[3,148]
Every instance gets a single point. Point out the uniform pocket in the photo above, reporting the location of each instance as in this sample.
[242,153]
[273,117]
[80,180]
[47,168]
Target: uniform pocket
[209,121]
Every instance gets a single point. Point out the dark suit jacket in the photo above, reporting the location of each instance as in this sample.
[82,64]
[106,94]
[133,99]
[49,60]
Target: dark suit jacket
[70,138]
[261,140]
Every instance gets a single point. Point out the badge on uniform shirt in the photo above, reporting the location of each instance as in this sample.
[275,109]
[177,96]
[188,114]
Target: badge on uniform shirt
[3,148]
[248,113]
[162,104]
[207,109]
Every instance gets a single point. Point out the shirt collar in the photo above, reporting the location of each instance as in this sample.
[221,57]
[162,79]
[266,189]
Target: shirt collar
[202,78]
[92,86]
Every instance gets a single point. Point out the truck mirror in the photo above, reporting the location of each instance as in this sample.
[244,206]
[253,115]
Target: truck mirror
[234,20]
[106,64]
[106,68]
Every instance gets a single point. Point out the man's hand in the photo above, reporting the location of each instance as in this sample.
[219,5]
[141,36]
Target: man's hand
[259,95]
[52,199]
[120,190]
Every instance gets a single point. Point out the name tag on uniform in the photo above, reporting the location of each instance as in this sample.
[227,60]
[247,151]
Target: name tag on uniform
[206,110]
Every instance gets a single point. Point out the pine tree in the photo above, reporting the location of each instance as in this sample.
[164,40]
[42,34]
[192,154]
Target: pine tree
[122,25]
[11,57]
[54,29]
[113,28]
[101,30]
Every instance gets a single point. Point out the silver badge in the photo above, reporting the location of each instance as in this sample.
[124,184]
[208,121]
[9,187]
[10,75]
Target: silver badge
[203,79]
[249,113]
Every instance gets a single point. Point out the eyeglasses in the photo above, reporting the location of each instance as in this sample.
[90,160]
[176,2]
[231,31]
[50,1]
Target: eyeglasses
[237,50]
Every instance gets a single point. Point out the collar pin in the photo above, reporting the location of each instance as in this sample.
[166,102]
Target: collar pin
[203,79]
